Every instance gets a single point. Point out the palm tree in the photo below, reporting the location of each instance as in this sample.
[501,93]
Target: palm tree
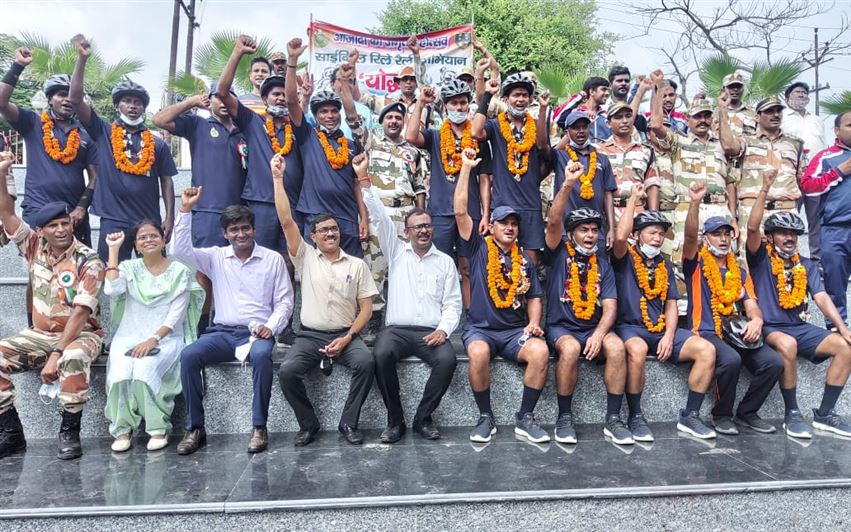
[766,79]
[561,84]
[211,58]
[837,104]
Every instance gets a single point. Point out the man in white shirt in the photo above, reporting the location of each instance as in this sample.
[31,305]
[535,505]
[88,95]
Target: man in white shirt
[423,308]
[797,121]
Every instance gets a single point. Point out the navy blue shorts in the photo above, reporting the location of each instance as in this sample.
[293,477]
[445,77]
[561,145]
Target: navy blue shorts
[446,237]
[267,228]
[207,230]
[349,241]
[505,343]
[807,335]
[554,332]
[531,230]
[627,332]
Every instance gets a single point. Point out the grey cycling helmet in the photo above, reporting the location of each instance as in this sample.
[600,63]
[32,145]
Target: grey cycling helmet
[324,97]
[56,83]
[646,218]
[517,80]
[784,220]
[270,83]
[582,216]
[455,87]
[127,87]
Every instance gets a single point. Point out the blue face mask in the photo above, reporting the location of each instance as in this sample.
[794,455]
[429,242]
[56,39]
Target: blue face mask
[456,117]
[516,113]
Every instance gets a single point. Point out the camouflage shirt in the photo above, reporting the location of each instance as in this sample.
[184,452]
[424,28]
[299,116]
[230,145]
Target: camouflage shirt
[754,161]
[394,169]
[742,120]
[635,164]
[693,160]
[60,283]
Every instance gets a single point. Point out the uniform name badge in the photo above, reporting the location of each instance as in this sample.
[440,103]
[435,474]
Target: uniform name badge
[214,132]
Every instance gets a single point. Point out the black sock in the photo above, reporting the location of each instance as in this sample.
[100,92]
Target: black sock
[633,402]
[790,397]
[613,403]
[695,399]
[530,399]
[203,323]
[483,401]
[828,400]
[564,403]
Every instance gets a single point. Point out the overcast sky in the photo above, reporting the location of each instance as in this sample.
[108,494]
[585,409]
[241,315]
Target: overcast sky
[136,28]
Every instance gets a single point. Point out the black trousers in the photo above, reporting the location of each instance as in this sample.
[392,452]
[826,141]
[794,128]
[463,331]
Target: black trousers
[765,365]
[304,355]
[397,342]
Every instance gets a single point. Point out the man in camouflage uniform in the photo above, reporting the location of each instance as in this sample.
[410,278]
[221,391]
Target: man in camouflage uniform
[768,148]
[740,118]
[632,161]
[397,181]
[65,338]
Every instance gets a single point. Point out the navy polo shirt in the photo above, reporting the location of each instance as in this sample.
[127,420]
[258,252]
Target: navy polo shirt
[442,192]
[258,180]
[699,311]
[524,195]
[121,196]
[48,180]
[629,293]
[216,160]
[483,313]
[604,180]
[765,285]
[326,190]
[561,312]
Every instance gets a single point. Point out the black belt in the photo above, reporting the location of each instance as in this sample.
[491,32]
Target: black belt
[334,332]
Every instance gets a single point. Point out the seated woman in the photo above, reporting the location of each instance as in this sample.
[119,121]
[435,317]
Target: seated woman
[156,304]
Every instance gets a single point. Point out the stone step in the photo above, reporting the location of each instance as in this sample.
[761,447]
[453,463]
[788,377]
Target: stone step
[229,394]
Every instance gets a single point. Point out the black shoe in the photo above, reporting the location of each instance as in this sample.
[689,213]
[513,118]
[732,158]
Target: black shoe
[392,434]
[427,430]
[69,436]
[326,365]
[11,433]
[304,437]
[353,435]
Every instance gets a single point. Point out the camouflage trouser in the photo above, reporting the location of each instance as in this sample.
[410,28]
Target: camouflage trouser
[672,247]
[30,348]
[546,189]
[372,252]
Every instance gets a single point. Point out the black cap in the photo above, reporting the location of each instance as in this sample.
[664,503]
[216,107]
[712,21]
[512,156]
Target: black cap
[393,107]
[50,212]
[794,85]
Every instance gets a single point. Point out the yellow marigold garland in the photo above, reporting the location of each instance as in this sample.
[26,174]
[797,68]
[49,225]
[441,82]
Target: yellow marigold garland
[795,296]
[725,293]
[658,290]
[583,309]
[121,152]
[523,148]
[288,141]
[51,143]
[449,156]
[337,159]
[586,190]
[496,279]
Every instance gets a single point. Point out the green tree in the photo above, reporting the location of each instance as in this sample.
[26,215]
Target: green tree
[765,79]
[837,104]
[522,34]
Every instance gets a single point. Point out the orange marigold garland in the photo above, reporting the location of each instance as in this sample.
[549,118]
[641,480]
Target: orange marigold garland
[516,283]
[658,290]
[122,152]
[51,143]
[794,296]
[586,190]
[339,158]
[449,155]
[725,293]
[583,309]
[522,148]
[288,134]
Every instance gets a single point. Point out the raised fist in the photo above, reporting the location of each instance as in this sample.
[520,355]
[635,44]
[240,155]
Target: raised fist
[245,45]
[468,158]
[295,48]
[278,165]
[427,94]
[492,86]
[697,191]
[189,198]
[115,240]
[84,48]
[413,44]
[23,56]
[360,163]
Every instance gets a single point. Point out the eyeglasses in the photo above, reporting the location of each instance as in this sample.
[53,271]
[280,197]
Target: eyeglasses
[419,227]
[326,230]
[149,236]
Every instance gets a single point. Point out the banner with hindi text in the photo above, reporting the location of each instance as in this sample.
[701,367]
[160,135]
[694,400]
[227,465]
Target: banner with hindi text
[444,53]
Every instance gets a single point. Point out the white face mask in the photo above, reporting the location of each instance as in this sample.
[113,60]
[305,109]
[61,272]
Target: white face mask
[584,251]
[456,117]
[328,131]
[516,113]
[277,112]
[784,254]
[584,145]
[715,251]
[129,121]
[649,251]
[799,103]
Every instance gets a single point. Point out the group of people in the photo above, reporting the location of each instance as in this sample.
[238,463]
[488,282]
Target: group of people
[446,201]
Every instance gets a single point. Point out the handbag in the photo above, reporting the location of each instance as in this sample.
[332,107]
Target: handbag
[732,328]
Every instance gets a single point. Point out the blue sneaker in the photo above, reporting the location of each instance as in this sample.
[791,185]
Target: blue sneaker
[617,431]
[795,426]
[690,423]
[527,427]
[565,432]
[639,429]
[832,422]
[484,429]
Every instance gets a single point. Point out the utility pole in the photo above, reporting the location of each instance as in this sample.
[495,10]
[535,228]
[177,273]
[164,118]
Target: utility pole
[172,62]
[818,59]
[190,34]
